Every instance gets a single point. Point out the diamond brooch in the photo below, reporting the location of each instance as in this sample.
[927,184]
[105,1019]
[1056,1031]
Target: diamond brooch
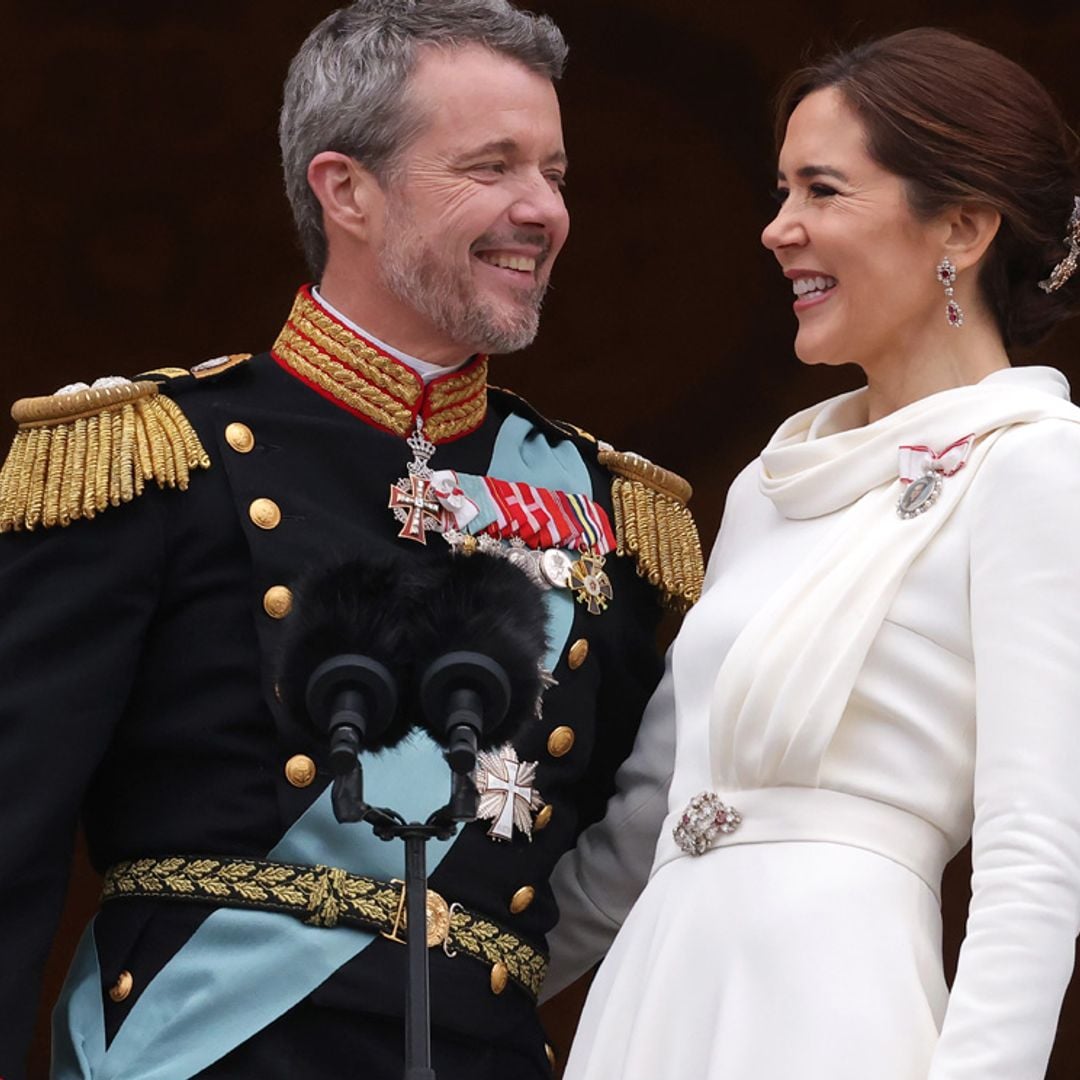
[704,819]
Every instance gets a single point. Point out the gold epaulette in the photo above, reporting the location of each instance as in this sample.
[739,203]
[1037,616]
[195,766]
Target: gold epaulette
[77,453]
[654,524]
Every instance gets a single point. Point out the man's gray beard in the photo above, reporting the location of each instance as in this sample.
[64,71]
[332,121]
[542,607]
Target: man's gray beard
[448,299]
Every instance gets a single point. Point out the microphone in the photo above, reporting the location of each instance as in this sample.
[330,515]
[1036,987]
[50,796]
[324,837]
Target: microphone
[342,660]
[479,642]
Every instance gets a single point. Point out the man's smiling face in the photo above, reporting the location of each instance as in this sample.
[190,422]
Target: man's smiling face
[474,215]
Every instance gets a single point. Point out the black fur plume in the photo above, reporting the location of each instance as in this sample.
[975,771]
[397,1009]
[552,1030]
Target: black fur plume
[362,607]
[487,605]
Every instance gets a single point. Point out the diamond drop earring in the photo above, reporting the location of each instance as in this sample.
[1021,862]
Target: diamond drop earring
[946,274]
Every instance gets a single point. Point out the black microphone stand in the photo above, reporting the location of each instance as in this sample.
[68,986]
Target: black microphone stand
[441,825]
[460,693]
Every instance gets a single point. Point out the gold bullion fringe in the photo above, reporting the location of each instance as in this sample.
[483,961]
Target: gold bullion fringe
[322,896]
[653,523]
[76,454]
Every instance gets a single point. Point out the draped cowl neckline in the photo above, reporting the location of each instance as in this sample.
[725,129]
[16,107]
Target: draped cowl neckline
[827,457]
[786,680]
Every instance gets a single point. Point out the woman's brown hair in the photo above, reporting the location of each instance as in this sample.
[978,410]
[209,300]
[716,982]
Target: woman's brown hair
[960,123]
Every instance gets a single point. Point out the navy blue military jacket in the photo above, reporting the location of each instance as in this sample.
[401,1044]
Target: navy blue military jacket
[137,663]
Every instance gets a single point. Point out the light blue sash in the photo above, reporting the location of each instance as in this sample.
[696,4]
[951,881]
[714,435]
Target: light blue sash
[243,969]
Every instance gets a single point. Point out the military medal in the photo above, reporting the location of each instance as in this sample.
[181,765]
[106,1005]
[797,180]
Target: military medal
[412,499]
[591,586]
[534,528]
[555,567]
[507,795]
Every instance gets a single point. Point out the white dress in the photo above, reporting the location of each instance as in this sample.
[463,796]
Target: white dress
[938,694]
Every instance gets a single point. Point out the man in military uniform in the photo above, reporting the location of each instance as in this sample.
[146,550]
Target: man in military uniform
[156,530]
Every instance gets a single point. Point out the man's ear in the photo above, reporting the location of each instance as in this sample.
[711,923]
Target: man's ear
[972,228]
[348,193]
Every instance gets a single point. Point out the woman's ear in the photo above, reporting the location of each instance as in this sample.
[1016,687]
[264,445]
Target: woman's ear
[972,228]
[348,193]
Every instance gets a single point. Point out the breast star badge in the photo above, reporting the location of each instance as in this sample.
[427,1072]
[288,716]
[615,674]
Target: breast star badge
[507,795]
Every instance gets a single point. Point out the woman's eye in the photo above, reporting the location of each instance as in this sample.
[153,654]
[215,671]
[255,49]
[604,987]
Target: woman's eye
[822,191]
[780,194]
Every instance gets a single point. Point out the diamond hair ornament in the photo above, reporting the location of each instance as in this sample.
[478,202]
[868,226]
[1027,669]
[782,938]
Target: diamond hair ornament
[1067,267]
[946,274]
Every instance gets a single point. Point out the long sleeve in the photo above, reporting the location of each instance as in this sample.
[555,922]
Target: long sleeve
[1018,952]
[76,602]
[596,882]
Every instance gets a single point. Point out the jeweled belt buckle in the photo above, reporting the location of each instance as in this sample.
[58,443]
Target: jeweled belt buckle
[704,819]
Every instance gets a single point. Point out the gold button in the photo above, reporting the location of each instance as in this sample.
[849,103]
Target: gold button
[265,513]
[521,899]
[239,437]
[300,770]
[550,1051]
[277,601]
[578,651]
[560,741]
[543,818]
[122,987]
[499,978]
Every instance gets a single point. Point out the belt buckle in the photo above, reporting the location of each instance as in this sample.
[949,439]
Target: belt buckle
[438,918]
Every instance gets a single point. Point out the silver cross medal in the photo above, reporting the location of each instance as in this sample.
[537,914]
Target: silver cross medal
[507,795]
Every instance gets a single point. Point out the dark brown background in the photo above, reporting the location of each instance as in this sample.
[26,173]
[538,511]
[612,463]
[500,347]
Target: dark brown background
[144,225]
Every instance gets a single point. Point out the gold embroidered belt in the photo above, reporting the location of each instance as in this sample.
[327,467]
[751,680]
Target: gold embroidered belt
[326,896]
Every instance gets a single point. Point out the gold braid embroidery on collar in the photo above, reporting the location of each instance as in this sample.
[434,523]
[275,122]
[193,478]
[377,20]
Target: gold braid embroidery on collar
[342,384]
[388,393]
[342,344]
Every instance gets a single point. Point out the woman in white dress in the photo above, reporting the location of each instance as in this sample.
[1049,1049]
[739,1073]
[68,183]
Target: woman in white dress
[886,658]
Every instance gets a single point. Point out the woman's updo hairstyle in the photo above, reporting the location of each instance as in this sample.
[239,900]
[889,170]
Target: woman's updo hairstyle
[961,123]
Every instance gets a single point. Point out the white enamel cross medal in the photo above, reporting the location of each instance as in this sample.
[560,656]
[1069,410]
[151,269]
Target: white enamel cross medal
[507,794]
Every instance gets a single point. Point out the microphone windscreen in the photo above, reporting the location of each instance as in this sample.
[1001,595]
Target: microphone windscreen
[487,605]
[361,607]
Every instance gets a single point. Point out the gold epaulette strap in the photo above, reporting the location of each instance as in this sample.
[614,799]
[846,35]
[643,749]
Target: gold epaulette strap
[77,453]
[653,523]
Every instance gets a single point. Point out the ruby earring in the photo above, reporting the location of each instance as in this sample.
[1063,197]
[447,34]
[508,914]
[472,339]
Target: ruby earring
[946,274]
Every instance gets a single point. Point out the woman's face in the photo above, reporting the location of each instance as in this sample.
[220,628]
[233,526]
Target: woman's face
[861,265]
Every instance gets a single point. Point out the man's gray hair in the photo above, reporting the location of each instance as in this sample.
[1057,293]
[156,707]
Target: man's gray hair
[346,86]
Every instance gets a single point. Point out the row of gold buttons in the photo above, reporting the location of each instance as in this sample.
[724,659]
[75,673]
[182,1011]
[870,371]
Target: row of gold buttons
[560,742]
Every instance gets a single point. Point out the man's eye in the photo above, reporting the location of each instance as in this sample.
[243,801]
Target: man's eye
[556,180]
[497,168]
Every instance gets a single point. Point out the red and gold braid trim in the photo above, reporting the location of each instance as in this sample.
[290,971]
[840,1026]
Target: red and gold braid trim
[339,364]
[75,454]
